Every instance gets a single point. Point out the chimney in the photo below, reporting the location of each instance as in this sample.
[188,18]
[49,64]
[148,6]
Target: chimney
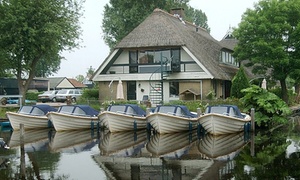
[179,11]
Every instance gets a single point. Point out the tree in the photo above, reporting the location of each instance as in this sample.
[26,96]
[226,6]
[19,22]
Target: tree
[196,16]
[122,16]
[80,78]
[90,72]
[239,82]
[33,33]
[269,37]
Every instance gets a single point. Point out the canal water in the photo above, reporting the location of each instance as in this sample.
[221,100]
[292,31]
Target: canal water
[91,155]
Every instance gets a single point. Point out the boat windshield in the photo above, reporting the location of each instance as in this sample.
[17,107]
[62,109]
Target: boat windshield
[166,109]
[79,112]
[217,109]
[117,108]
[31,110]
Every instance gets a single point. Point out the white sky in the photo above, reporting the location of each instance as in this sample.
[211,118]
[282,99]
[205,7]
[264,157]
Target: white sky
[221,15]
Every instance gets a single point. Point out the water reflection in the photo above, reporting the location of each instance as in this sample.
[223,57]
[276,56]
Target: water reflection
[73,141]
[223,147]
[34,140]
[46,154]
[172,145]
[123,144]
[165,156]
[28,156]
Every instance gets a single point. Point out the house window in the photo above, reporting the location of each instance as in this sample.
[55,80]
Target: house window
[227,58]
[175,64]
[146,57]
[174,89]
[148,61]
[133,62]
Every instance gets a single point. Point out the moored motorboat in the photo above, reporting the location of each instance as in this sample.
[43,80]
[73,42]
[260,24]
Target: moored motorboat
[172,118]
[223,119]
[32,117]
[123,117]
[72,117]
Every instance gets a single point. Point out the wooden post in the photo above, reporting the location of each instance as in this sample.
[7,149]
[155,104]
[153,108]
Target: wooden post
[148,111]
[199,112]
[22,149]
[252,144]
[252,119]
[22,133]
[252,147]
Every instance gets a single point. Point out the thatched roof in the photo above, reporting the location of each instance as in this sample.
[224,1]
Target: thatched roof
[229,43]
[161,29]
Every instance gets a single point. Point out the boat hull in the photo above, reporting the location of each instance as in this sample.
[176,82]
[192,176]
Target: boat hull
[166,123]
[218,124]
[63,122]
[117,122]
[29,121]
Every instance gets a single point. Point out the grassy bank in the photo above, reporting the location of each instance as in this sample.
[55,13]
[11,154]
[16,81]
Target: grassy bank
[3,110]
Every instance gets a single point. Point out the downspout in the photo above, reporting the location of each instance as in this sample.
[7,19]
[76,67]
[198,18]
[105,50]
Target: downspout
[201,87]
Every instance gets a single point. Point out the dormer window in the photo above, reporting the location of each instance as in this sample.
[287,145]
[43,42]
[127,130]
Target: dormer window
[227,58]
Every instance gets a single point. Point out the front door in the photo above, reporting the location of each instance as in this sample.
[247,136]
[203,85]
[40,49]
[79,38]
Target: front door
[131,90]
[227,85]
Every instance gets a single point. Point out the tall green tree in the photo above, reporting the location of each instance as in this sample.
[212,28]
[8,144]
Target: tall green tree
[79,77]
[239,82]
[90,71]
[33,33]
[269,37]
[122,16]
[196,16]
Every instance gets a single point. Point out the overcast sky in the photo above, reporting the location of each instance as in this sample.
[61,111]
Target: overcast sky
[221,15]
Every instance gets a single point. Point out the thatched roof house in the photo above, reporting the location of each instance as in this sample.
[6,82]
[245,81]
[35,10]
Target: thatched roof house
[201,57]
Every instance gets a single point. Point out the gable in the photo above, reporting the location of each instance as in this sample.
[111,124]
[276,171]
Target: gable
[189,65]
[65,84]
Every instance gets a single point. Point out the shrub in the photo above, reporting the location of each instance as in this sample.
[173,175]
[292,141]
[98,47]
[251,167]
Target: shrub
[239,82]
[32,96]
[90,93]
[269,108]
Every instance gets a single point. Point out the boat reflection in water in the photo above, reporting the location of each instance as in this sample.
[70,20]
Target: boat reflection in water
[33,139]
[172,145]
[122,144]
[222,147]
[167,156]
[73,141]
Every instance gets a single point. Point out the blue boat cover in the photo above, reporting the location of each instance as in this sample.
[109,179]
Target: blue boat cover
[232,110]
[45,108]
[175,109]
[88,110]
[125,108]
